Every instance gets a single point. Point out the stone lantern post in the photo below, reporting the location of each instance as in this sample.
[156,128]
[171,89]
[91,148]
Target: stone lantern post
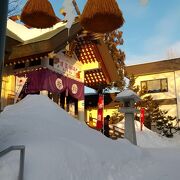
[128,98]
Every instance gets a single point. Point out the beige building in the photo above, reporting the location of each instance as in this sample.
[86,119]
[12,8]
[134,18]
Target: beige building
[160,79]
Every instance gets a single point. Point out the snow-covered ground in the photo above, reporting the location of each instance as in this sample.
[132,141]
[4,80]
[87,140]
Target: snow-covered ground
[59,147]
[150,139]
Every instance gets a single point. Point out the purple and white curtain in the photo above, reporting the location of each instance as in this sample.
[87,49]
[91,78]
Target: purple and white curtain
[46,79]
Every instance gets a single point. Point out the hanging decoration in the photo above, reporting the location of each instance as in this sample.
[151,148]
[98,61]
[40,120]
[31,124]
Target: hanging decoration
[101,16]
[62,12]
[71,48]
[100,119]
[39,14]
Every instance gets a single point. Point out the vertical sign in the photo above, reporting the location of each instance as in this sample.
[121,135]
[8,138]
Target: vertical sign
[100,118]
[142,112]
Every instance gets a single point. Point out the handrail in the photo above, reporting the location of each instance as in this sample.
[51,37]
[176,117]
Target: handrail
[117,132]
[22,157]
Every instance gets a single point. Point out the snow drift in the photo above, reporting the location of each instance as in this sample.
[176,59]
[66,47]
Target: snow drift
[148,138]
[59,147]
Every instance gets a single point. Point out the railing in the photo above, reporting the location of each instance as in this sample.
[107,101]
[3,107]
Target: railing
[116,132]
[22,157]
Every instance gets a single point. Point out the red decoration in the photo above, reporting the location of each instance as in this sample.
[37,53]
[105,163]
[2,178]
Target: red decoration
[100,118]
[142,113]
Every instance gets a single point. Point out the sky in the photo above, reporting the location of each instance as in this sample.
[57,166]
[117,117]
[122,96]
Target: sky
[151,31]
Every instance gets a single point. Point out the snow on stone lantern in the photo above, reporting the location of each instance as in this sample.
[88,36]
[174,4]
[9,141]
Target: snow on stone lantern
[128,98]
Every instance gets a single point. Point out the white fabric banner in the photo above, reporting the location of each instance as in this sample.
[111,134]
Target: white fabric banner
[20,82]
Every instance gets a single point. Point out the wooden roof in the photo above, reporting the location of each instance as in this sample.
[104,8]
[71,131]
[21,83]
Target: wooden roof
[12,40]
[50,41]
[89,48]
[154,67]
[95,77]
[88,51]
[85,50]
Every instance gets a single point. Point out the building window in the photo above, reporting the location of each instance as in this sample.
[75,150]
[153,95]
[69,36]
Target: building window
[51,62]
[154,86]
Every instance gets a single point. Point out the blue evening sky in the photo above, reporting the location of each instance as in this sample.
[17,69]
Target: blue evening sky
[151,31]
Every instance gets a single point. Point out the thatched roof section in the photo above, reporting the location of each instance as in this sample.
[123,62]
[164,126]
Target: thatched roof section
[38,14]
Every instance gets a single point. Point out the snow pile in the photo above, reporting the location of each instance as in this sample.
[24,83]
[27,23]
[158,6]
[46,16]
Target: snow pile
[25,33]
[148,138]
[59,147]
[127,94]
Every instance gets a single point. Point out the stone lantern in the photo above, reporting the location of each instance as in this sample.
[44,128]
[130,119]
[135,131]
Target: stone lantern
[128,98]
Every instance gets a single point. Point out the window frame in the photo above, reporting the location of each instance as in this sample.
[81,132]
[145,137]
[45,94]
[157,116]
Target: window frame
[146,82]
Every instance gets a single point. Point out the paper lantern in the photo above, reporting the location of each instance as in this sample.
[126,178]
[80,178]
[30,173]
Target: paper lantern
[101,16]
[38,14]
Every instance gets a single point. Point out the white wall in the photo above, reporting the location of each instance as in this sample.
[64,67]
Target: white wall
[172,109]
[177,77]
[171,85]
[173,90]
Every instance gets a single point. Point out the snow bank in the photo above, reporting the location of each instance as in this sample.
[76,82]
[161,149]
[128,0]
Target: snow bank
[59,147]
[127,94]
[148,138]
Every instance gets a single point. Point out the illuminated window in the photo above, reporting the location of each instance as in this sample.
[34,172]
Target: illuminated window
[154,86]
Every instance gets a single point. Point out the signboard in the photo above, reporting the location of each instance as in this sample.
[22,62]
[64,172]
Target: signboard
[67,66]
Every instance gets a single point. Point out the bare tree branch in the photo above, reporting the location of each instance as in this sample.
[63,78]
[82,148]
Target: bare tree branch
[14,7]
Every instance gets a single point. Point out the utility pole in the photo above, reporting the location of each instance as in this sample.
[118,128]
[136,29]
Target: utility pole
[3,23]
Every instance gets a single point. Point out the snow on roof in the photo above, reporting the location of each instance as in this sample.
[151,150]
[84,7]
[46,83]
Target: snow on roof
[25,33]
[127,94]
